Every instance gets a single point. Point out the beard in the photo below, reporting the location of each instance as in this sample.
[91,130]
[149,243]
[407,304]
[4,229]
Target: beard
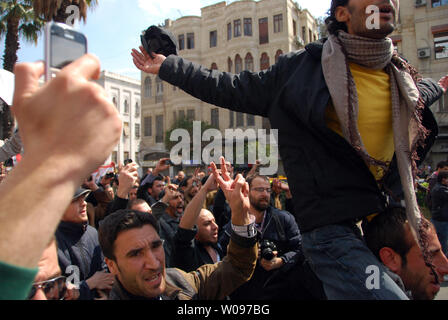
[258,205]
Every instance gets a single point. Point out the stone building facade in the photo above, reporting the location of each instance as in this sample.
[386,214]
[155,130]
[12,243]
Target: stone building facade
[242,35]
[124,92]
[422,38]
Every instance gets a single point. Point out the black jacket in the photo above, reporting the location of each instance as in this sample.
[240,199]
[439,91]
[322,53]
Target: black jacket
[167,229]
[188,253]
[329,181]
[78,245]
[439,199]
[221,211]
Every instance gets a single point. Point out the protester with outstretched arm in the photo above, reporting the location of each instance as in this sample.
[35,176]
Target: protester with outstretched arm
[335,162]
[61,151]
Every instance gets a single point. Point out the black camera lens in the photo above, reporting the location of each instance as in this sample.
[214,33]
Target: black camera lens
[267,249]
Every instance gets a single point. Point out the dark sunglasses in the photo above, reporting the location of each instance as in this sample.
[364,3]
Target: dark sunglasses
[54,289]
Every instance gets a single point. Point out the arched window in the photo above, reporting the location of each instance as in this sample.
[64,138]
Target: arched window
[229,65]
[137,110]
[148,87]
[238,64]
[264,61]
[214,66]
[126,106]
[249,62]
[114,101]
[278,54]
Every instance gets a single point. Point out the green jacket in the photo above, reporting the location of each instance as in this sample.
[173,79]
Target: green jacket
[15,282]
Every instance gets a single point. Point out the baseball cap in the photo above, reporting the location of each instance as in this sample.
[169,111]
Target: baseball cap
[6,86]
[80,192]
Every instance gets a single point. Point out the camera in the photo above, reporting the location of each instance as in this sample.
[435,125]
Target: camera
[127,161]
[267,248]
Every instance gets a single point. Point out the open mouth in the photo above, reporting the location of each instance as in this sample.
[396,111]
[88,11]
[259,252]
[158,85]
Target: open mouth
[387,10]
[153,280]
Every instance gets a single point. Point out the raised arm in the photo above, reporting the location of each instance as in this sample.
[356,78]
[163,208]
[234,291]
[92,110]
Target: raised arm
[61,151]
[248,92]
[216,281]
[194,207]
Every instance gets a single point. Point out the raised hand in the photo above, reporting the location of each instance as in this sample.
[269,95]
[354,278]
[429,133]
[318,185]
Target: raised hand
[127,179]
[236,192]
[161,166]
[145,63]
[171,192]
[443,83]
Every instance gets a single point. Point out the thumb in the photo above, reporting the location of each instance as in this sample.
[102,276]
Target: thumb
[26,80]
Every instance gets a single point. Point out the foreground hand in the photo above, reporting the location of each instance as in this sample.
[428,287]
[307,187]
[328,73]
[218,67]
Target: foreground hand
[79,110]
[145,63]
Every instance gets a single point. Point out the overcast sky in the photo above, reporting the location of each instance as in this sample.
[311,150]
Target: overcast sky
[113,28]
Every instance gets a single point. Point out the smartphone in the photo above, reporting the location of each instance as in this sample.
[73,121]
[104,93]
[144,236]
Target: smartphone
[63,45]
[169,162]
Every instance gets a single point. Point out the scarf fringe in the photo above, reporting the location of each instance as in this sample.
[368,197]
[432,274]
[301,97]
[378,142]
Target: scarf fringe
[422,133]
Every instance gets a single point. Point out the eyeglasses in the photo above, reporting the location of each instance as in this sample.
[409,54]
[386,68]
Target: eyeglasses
[268,190]
[54,289]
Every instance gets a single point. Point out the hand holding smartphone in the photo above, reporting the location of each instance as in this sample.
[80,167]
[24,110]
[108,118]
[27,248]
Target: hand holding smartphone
[63,45]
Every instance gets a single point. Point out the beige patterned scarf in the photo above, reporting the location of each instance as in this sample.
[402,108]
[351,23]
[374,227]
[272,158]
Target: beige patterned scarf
[407,107]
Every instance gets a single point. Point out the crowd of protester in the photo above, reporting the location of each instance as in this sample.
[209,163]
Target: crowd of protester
[196,234]
[219,232]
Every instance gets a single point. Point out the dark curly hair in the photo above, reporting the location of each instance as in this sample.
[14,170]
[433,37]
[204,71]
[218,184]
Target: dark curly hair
[332,24]
[120,221]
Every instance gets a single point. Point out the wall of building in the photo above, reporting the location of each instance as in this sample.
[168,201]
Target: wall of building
[122,90]
[216,18]
[419,26]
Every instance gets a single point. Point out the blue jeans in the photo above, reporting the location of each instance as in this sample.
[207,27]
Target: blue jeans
[442,233]
[342,261]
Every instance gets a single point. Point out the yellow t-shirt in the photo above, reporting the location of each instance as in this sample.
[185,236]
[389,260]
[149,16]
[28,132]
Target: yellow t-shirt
[375,114]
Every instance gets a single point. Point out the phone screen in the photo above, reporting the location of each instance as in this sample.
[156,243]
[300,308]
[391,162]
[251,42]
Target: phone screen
[65,49]
[63,45]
